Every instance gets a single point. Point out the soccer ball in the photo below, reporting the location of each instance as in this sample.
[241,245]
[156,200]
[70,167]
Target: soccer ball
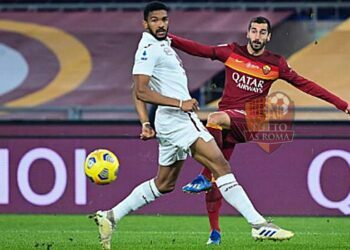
[101,166]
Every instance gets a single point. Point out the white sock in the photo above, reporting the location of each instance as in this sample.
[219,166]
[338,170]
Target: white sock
[143,194]
[234,194]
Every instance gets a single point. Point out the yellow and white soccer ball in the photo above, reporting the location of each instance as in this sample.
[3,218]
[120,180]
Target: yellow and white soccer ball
[101,166]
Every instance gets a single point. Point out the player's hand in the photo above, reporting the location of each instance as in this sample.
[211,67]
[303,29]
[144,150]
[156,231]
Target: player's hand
[147,132]
[190,105]
[347,110]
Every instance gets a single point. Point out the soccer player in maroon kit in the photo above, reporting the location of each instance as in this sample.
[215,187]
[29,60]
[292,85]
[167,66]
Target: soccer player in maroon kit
[250,71]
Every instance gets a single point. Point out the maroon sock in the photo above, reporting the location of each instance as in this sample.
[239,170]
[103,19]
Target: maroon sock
[213,201]
[207,173]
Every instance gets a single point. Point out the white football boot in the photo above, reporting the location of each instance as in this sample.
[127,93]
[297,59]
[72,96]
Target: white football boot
[106,228]
[269,231]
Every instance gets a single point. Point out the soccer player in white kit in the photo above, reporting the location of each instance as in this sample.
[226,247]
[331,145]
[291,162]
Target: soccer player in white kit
[159,78]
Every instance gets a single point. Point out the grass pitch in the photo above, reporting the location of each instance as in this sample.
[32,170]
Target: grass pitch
[166,232]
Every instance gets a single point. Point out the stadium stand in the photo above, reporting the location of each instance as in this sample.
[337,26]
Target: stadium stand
[103,30]
[110,40]
[326,63]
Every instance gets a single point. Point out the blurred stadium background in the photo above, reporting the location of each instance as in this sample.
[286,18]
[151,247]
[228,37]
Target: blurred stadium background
[65,89]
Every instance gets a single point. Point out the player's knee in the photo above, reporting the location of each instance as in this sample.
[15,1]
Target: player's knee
[214,118]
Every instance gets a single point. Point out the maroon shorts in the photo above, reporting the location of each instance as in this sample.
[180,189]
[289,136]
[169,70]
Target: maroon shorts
[236,134]
[238,126]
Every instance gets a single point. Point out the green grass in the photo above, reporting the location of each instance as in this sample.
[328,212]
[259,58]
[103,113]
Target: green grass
[166,232]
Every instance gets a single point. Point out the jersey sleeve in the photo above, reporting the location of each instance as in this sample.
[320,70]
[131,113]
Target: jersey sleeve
[309,87]
[145,60]
[220,52]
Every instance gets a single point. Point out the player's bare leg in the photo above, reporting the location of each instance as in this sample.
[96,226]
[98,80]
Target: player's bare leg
[208,154]
[167,177]
[217,121]
[143,194]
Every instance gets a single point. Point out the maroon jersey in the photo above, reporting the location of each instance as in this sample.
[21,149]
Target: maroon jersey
[249,77]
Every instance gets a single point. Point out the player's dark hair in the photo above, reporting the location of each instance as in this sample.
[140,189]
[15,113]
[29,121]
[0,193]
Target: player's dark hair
[153,6]
[260,19]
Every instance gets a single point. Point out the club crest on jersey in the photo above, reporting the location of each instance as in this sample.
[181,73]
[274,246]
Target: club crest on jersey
[266,69]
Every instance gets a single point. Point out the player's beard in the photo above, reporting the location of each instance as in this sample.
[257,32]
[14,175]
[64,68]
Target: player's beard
[257,47]
[159,30]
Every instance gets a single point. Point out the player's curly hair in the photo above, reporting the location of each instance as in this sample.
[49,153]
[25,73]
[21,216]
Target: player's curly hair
[152,6]
[260,19]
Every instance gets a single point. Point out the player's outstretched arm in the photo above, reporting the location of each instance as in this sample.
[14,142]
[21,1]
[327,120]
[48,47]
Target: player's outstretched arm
[220,52]
[348,109]
[311,88]
[145,94]
[192,47]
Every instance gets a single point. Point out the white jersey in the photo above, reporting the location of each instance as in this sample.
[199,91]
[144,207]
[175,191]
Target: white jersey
[158,60]
[176,130]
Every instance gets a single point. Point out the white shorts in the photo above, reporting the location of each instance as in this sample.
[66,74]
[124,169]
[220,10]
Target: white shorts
[176,132]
